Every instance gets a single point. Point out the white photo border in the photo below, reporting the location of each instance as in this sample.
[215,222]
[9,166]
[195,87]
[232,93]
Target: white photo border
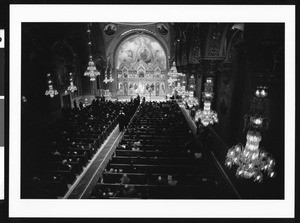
[150,208]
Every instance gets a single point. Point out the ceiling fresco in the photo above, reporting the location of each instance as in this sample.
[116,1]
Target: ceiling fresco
[138,49]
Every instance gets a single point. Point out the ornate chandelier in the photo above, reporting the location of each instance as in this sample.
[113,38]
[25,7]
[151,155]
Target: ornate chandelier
[171,81]
[207,115]
[110,79]
[72,87]
[191,101]
[51,91]
[91,70]
[173,75]
[252,160]
[106,80]
[180,89]
[192,82]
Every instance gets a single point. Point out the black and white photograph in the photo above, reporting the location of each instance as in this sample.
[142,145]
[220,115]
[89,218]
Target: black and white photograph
[176,145]
[182,111]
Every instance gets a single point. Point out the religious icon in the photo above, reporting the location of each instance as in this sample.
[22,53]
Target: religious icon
[121,88]
[141,73]
[162,29]
[152,87]
[157,89]
[162,86]
[125,88]
[144,53]
[110,29]
[131,90]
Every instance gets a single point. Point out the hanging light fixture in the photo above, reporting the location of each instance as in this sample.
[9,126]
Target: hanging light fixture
[171,81]
[191,101]
[173,75]
[72,87]
[207,115]
[180,89]
[91,70]
[252,160]
[192,80]
[106,80]
[110,78]
[51,91]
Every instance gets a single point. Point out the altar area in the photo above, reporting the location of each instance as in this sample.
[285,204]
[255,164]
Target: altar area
[141,68]
[147,98]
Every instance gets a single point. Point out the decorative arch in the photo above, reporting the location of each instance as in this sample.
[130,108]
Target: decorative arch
[125,72]
[157,72]
[122,37]
[140,64]
[235,38]
[141,71]
[157,87]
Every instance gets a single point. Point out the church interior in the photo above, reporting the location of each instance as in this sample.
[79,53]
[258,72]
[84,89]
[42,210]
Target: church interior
[152,110]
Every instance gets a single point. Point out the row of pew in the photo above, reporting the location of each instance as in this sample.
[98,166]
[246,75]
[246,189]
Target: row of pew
[80,135]
[157,158]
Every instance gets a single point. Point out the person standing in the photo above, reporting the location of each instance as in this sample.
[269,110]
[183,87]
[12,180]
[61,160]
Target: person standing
[80,105]
[122,120]
[75,104]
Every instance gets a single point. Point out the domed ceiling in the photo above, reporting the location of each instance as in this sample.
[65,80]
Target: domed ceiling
[140,48]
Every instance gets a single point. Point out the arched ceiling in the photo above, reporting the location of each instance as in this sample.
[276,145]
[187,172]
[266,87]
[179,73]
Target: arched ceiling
[140,48]
[115,33]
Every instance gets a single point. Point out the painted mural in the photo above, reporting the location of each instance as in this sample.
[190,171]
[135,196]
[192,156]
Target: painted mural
[141,64]
[140,48]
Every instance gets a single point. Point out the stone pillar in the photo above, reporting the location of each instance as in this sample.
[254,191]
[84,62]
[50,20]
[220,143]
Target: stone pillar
[114,85]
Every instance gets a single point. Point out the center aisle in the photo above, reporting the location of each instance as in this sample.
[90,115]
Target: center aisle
[83,186]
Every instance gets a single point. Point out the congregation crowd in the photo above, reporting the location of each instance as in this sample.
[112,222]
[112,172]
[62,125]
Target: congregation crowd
[74,141]
[158,157]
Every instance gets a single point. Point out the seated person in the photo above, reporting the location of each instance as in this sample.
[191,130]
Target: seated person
[137,143]
[65,165]
[135,147]
[91,148]
[125,179]
[161,181]
[56,153]
[171,182]
[111,170]
[198,155]
[107,193]
[189,153]
[129,191]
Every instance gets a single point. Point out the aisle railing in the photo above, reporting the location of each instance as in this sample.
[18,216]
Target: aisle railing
[209,152]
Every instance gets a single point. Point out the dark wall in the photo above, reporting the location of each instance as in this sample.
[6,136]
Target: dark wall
[56,48]
[253,64]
